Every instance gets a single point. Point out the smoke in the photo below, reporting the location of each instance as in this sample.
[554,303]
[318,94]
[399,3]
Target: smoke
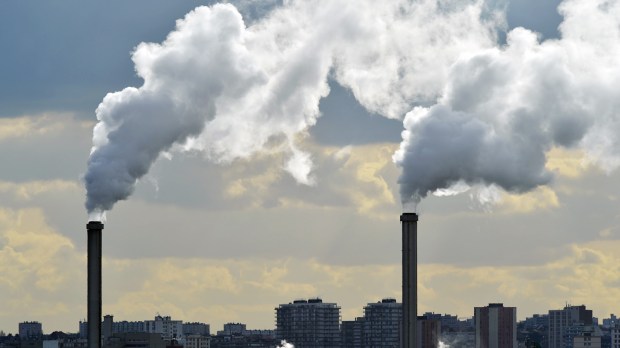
[284,344]
[229,90]
[503,108]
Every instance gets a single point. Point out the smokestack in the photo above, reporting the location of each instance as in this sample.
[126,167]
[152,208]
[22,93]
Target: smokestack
[94,229]
[409,223]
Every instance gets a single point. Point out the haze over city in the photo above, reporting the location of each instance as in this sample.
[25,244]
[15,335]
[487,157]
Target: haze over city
[264,158]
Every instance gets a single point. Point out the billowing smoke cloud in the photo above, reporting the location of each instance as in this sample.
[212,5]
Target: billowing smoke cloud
[504,108]
[229,90]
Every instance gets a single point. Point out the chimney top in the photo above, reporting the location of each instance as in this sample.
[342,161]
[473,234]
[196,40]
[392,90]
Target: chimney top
[94,225]
[408,217]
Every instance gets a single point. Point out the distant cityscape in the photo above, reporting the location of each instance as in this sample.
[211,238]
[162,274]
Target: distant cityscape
[313,323]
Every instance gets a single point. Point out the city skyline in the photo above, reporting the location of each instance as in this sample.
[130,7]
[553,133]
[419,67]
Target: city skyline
[209,240]
[386,309]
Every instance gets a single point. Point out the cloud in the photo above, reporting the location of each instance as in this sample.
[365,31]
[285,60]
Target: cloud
[31,125]
[567,163]
[542,198]
[38,269]
[43,147]
[27,191]
[581,276]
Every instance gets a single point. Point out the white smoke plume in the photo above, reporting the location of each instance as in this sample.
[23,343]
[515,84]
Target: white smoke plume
[503,108]
[229,90]
[284,344]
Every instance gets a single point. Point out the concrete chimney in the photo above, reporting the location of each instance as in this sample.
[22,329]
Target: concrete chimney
[409,223]
[94,229]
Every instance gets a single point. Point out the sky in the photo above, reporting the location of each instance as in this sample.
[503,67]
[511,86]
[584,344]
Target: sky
[291,190]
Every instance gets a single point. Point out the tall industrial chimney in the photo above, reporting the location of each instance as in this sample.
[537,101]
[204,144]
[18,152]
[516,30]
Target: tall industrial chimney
[94,229]
[409,223]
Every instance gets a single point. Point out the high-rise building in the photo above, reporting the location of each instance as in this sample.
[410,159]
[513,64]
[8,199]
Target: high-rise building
[428,332]
[168,328]
[382,324]
[309,324]
[378,328]
[30,329]
[496,326]
[561,319]
[107,327]
[352,333]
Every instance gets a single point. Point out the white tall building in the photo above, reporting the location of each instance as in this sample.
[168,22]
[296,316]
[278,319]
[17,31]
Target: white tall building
[168,328]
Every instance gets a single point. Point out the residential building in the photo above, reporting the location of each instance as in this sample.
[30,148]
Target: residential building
[615,336]
[135,340]
[232,329]
[496,326]
[536,321]
[128,326]
[309,324]
[586,340]
[561,319]
[382,322]
[235,335]
[610,322]
[168,329]
[428,332]
[197,341]
[107,327]
[196,329]
[30,330]
[352,333]
[448,322]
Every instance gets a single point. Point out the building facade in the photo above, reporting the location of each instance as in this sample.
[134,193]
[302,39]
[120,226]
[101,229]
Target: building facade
[128,326]
[351,333]
[233,329]
[196,329]
[586,340]
[164,325]
[382,324]
[560,320]
[615,336]
[30,329]
[496,326]
[309,324]
[197,341]
[428,332]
